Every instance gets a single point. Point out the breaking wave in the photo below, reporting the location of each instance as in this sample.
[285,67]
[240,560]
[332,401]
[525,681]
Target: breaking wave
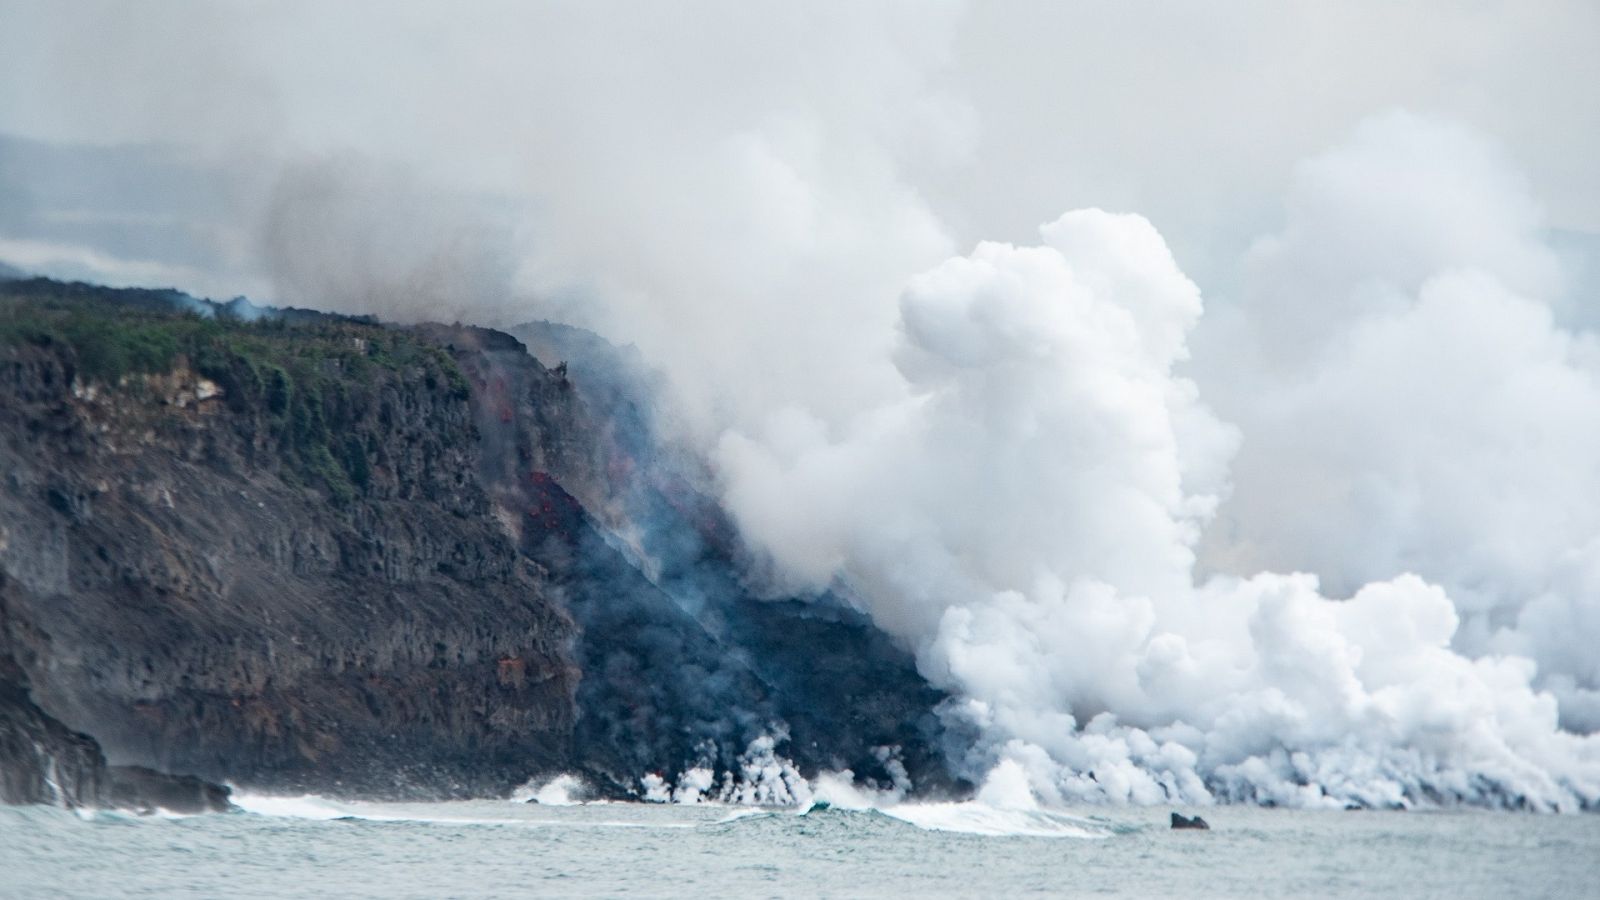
[971,817]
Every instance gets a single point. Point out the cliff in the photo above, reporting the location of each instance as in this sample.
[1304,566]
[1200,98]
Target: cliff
[259,552]
[304,552]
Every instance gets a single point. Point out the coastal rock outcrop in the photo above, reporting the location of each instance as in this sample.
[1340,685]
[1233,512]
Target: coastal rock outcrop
[44,761]
[260,552]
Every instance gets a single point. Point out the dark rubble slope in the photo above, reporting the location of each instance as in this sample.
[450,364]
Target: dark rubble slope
[848,694]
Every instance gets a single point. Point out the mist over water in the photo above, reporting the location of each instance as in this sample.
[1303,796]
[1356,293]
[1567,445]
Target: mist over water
[1322,533]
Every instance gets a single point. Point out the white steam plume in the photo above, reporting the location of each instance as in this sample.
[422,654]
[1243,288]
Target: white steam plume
[1413,404]
[1026,515]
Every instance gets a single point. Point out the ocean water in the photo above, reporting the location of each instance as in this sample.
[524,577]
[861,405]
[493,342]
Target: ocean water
[295,847]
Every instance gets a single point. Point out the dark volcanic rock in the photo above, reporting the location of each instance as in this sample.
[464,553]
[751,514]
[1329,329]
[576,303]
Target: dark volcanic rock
[146,790]
[687,666]
[1194,822]
[281,572]
[42,760]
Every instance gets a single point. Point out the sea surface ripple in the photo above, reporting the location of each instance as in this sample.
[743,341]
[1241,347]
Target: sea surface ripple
[292,847]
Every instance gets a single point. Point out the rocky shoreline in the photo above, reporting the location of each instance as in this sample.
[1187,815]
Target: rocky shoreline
[47,762]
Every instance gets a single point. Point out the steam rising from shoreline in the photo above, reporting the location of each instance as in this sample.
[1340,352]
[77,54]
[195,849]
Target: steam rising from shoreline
[1027,516]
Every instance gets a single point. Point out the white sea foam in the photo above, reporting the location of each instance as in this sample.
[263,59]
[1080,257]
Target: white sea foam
[969,817]
[747,812]
[1005,805]
[980,818]
[305,806]
[562,790]
[466,812]
[764,777]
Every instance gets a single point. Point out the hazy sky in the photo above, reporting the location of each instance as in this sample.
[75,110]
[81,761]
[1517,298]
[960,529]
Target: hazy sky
[995,117]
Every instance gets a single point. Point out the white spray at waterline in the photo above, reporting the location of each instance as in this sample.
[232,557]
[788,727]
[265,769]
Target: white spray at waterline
[1026,517]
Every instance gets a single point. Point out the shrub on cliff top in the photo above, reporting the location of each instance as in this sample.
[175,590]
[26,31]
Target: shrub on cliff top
[301,374]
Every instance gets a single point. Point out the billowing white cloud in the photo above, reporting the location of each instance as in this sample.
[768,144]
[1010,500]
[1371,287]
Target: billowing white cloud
[1025,515]
[1410,403]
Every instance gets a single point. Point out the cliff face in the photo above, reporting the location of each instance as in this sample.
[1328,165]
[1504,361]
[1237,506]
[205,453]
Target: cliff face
[281,571]
[44,761]
[313,553]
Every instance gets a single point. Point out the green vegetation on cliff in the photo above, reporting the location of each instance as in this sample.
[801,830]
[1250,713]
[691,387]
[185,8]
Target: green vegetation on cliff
[305,373]
[255,545]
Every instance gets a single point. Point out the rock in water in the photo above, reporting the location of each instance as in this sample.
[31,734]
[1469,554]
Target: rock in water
[146,790]
[44,761]
[1182,821]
